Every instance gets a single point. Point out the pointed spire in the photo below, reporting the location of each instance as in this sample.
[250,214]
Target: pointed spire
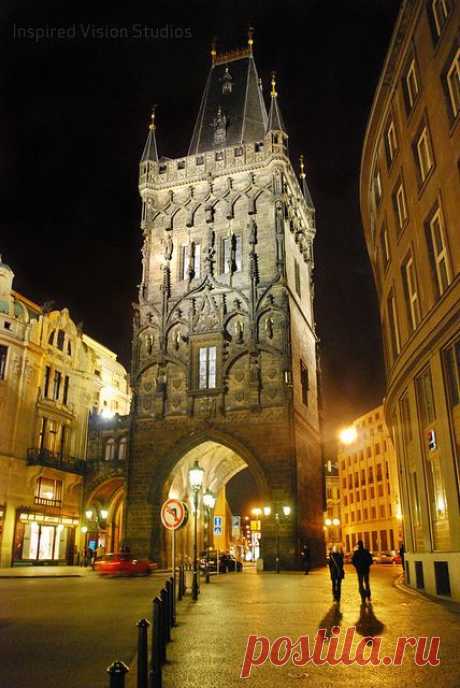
[304,185]
[275,120]
[150,153]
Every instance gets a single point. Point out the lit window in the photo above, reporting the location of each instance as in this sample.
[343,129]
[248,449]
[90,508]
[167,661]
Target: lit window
[48,492]
[440,14]
[393,321]
[438,253]
[399,203]
[453,84]
[207,371]
[109,449]
[391,142]
[412,87]
[385,244]
[424,156]
[377,186]
[3,357]
[410,291]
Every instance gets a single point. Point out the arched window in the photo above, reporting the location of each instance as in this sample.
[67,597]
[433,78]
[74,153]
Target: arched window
[60,340]
[122,448]
[69,348]
[109,449]
[51,337]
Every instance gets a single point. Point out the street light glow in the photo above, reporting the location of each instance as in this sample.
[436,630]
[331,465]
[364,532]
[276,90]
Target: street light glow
[256,511]
[328,522]
[209,500]
[348,435]
[335,521]
[267,511]
[286,510]
[89,514]
[84,529]
[195,475]
[104,513]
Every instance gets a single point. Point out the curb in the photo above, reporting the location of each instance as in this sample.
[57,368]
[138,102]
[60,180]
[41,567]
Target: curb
[450,605]
[47,576]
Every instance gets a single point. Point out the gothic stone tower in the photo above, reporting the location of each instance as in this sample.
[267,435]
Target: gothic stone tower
[224,346]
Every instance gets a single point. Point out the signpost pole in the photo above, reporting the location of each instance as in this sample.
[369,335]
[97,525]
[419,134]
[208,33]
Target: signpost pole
[173,537]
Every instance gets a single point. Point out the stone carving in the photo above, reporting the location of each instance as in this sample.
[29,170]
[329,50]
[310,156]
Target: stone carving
[219,124]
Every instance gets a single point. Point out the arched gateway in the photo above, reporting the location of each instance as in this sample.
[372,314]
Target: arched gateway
[224,347]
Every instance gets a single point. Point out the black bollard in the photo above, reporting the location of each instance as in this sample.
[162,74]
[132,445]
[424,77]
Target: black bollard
[162,637]
[179,586]
[142,656]
[164,594]
[156,656]
[117,672]
[170,587]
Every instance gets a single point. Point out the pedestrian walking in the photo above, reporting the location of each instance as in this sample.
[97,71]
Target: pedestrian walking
[306,559]
[335,561]
[362,561]
[402,551]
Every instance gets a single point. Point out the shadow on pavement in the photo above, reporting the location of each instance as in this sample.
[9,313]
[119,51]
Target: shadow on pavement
[368,624]
[331,619]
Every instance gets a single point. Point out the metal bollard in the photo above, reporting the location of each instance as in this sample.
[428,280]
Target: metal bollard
[156,655]
[142,654]
[170,589]
[173,601]
[117,672]
[164,594]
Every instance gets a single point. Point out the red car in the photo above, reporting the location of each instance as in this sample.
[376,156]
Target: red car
[123,565]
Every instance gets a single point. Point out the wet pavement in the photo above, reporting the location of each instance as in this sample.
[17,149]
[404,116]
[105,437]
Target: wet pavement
[209,644]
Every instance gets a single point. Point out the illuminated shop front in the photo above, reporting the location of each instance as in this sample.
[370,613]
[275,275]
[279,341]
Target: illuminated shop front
[43,538]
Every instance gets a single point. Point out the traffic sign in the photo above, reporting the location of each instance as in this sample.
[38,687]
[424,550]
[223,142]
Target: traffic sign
[174,514]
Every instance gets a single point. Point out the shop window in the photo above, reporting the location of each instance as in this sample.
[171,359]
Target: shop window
[441,574]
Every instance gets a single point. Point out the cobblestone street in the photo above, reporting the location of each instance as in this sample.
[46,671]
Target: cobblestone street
[209,643]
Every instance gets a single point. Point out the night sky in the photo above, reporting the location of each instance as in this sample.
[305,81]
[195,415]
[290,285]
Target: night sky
[74,120]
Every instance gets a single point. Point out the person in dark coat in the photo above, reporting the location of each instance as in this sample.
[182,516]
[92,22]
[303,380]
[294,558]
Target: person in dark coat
[306,560]
[335,562]
[362,561]
[402,551]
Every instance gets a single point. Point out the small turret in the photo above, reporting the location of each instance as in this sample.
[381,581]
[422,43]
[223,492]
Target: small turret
[275,125]
[150,153]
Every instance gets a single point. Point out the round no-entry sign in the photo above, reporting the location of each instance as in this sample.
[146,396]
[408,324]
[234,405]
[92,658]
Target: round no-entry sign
[173,514]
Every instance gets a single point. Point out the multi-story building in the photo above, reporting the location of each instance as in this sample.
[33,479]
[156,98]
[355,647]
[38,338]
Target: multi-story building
[224,359]
[50,380]
[332,515]
[410,205]
[370,502]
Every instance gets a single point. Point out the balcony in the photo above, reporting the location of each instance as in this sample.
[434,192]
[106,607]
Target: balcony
[45,457]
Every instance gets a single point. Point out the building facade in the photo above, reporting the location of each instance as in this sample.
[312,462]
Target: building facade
[410,204]
[224,356]
[370,501]
[50,380]
[332,515]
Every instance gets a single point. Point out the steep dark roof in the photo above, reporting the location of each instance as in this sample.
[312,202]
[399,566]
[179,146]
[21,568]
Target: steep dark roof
[150,149]
[232,109]
[275,119]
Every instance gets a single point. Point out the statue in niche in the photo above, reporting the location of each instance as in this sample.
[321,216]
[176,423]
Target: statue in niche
[148,344]
[219,125]
[269,327]
[177,340]
[167,247]
[252,227]
[239,330]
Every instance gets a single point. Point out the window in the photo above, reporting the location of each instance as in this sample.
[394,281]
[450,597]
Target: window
[382,512]
[410,291]
[57,384]
[123,448]
[60,340]
[196,252]
[48,492]
[377,187]
[51,337]
[391,143]
[373,512]
[452,81]
[411,86]
[425,397]
[423,155]
[65,396]
[231,254]
[3,358]
[379,471]
[452,368]
[297,278]
[385,245]
[371,474]
[304,382]
[440,12]
[363,476]
[190,261]
[393,322]
[400,206]
[207,371]
[438,252]
[109,453]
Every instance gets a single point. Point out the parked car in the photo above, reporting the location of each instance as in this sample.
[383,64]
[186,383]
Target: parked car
[388,558]
[123,564]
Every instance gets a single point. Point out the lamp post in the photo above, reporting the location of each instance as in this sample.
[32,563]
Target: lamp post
[209,502]
[195,476]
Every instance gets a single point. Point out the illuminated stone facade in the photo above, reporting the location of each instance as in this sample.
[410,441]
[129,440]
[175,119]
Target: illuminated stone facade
[51,378]
[224,353]
[369,487]
[410,204]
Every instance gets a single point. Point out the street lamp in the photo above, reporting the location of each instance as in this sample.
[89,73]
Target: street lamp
[89,514]
[348,435]
[104,513]
[209,502]
[195,476]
